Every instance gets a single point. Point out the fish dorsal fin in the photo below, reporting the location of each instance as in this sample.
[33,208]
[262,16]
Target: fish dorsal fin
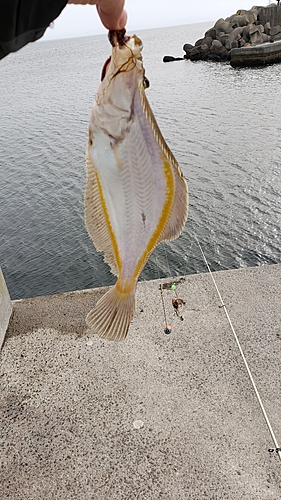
[156,130]
[177,218]
[95,217]
[179,212]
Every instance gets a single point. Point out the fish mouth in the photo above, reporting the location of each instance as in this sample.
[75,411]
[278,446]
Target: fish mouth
[126,53]
[118,37]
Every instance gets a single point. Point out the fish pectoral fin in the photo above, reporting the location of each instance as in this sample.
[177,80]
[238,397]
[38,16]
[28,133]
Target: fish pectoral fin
[95,217]
[110,318]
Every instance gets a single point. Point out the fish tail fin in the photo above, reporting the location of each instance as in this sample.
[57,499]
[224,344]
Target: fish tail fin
[110,318]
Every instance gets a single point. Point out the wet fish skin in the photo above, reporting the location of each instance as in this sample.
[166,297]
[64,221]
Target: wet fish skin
[136,195]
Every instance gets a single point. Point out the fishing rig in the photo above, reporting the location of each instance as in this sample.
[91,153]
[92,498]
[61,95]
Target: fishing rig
[168,329]
[177,302]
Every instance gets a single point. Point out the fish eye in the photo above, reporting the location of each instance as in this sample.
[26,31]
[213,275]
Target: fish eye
[104,68]
[146,83]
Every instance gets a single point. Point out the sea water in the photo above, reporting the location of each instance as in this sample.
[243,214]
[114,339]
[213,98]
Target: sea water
[222,124]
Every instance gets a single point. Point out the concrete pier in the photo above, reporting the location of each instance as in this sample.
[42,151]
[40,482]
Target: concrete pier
[5,308]
[157,416]
[258,55]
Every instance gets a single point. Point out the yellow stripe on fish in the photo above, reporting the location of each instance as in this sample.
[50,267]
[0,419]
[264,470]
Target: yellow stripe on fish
[169,196]
[136,195]
[112,235]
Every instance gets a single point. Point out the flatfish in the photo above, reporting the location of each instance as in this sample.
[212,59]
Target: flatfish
[136,195]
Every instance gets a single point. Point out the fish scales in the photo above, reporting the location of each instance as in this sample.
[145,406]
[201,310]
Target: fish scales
[136,195]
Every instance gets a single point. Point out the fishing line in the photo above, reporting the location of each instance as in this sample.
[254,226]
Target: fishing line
[173,286]
[163,304]
[188,258]
[278,450]
[161,293]
[167,262]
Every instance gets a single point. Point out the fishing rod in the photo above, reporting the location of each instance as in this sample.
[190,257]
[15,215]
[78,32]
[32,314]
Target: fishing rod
[277,448]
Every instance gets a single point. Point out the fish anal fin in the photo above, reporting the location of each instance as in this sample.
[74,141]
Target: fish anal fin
[110,318]
[95,218]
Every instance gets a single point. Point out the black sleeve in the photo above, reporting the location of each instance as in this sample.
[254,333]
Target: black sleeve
[24,21]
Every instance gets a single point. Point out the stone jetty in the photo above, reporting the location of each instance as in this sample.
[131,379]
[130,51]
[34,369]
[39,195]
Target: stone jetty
[245,29]
[256,55]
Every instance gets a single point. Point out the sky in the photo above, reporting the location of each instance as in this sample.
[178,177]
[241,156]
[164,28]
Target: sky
[79,20]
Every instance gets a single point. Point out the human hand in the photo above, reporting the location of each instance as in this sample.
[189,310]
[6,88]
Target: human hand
[112,13]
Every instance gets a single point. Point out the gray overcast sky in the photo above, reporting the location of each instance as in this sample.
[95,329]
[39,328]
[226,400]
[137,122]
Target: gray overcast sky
[143,14]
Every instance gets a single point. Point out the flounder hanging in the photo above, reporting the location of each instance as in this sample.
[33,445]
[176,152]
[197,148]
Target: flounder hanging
[136,195]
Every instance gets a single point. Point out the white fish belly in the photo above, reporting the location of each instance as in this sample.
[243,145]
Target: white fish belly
[137,184]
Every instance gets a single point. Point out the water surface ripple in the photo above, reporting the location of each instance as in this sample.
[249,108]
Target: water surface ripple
[223,125]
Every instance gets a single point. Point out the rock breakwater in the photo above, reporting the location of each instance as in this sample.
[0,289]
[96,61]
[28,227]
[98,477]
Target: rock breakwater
[246,28]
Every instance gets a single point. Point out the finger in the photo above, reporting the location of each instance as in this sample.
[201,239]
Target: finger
[112,14]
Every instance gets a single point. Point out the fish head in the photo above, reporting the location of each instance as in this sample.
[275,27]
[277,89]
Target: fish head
[124,68]
[123,75]
[125,59]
